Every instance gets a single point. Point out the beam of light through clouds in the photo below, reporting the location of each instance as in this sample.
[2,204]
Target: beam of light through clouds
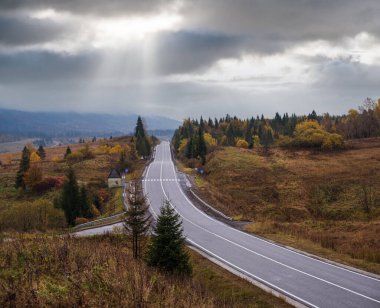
[186,58]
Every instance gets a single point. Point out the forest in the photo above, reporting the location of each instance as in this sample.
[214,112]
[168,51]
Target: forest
[195,138]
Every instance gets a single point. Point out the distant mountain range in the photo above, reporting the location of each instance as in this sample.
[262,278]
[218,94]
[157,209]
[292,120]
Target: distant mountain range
[69,124]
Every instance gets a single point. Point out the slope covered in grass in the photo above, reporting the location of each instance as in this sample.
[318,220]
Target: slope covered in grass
[46,271]
[299,194]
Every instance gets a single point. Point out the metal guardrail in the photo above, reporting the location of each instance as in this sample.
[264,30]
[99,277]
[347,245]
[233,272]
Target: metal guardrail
[125,202]
[94,222]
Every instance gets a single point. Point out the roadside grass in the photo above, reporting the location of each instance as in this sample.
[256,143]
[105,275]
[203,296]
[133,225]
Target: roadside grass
[228,289]
[45,270]
[302,196]
[348,246]
[115,204]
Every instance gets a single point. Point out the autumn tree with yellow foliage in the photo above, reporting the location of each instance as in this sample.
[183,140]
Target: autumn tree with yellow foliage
[35,158]
[310,134]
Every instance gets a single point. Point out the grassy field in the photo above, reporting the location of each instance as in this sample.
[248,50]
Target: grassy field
[51,271]
[87,171]
[310,200]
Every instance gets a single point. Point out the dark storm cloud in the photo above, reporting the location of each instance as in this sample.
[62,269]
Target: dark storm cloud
[37,66]
[181,52]
[112,78]
[88,7]
[286,20]
[348,75]
[21,30]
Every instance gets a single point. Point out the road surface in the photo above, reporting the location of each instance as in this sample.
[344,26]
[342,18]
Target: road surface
[309,281]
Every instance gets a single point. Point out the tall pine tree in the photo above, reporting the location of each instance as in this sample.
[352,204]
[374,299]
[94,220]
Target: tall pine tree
[70,198]
[137,219]
[143,147]
[41,152]
[167,251]
[24,166]
[201,148]
[85,208]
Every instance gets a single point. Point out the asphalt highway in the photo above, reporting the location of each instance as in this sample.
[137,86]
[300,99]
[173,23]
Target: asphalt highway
[307,280]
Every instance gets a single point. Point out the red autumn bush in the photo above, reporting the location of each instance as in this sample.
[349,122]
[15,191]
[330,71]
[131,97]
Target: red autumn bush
[48,183]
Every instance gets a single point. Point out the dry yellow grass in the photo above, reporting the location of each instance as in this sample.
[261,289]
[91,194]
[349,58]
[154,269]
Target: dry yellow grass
[54,165]
[305,195]
[52,271]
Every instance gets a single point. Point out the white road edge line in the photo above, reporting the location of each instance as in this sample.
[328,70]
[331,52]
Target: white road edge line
[250,235]
[280,263]
[294,297]
[268,258]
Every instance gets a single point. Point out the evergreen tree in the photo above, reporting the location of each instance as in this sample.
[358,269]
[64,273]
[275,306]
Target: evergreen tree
[68,152]
[216,123]
[70,198]
[139,130]
[248,134]
[201,148]
[202,123]
[312,115]
[189,149]
[230,135]
[143,147]
[24,166]
[85,209]
[41,152]
[176,141]
[210,123]
[167,251]
[137,220]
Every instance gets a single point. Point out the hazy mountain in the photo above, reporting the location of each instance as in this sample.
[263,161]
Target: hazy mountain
[52,124]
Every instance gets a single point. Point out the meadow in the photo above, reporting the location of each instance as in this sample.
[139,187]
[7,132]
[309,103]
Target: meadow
[54,271]
[327,203]
[92,172]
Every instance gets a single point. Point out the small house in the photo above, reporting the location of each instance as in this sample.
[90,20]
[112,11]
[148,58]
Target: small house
[114,179]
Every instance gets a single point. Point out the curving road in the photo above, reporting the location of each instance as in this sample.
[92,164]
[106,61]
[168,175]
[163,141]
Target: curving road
[308,281]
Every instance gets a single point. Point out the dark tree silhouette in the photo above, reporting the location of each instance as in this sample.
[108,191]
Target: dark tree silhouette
[167,251]
[24,166]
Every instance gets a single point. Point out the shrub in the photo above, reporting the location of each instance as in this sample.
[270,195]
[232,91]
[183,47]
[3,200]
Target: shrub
[210,142]
[82,154]
[241,143]
[32,177]
[183,145]
[104,149]
[38,215]
[94,211]
[86,152]
[56,159]
[310,134]
[48,183]
[117,149]
[75,157]
[80,220]
[103,195]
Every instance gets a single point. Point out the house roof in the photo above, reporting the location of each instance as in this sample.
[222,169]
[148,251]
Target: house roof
[114,174]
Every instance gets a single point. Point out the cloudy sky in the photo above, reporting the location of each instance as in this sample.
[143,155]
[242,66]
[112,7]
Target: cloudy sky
[187,58]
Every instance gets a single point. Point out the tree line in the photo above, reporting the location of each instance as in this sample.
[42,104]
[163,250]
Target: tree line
[194,138]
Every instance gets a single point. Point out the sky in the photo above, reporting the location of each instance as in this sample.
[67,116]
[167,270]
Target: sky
[181,58]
